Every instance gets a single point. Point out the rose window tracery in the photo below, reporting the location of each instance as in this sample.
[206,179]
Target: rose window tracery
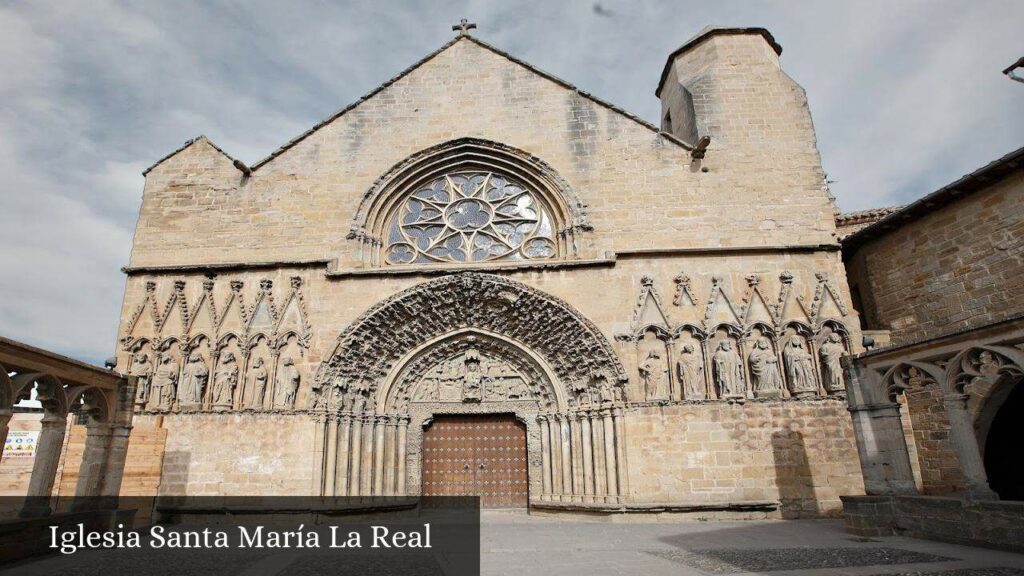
[470,217]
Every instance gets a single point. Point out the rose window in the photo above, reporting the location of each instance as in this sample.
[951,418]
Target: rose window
[470,217]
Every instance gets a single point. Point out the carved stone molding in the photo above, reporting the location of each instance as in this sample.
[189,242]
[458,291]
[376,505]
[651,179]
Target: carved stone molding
[369,349]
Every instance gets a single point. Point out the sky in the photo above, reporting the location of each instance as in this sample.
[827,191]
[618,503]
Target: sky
[906,97]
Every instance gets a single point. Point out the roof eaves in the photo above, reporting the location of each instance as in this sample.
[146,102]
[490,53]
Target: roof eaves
[968,184]
[629,115]
[353,105]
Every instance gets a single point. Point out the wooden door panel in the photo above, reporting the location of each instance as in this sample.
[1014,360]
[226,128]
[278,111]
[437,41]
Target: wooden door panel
[475,455]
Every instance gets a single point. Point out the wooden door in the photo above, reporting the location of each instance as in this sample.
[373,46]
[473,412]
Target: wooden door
[479,455]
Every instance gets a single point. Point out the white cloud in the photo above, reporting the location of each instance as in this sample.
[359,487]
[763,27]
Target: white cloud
[906,97]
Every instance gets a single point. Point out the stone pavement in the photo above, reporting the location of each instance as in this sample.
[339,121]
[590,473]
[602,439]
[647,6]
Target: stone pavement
[521,545]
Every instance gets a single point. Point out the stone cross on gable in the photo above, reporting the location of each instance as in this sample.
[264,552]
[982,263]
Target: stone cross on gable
[463,27]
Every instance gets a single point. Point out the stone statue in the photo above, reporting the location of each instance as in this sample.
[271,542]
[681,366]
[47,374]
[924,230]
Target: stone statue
[224,383]
[472,382]
[728,372]
[287,383]
[831,370]
[690,369]
[654,373]
[605,391]
[143,373]
[257,384]
[764,370]
[193,381]
[799,368]
[164,381]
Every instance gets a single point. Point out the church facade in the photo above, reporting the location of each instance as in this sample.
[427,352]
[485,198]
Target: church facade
[480,279]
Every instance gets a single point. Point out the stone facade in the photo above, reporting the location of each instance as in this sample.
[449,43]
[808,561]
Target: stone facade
[938,411]
[307,310]
[959,265]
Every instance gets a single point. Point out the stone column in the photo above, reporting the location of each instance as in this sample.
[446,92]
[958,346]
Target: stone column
[117,446]
[390,461]
[566,448]
[961,432]
[588,457]
[556,456]
[878,429]
[331,461]
[622,472]
[5,420]
[378,455]
[355,456]
[369,432]
[545,457]
[609,454]
[344,451]
[577,456]
[320,452]
[93,467]
[403,434]
[597,444]
[44,469]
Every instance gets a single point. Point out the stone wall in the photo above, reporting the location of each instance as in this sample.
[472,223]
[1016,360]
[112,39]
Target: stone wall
[639,190]
[250,455]
[801,454]
[937,462]
[980,523]
[959,266]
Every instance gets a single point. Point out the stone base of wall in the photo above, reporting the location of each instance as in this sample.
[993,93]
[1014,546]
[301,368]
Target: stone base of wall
[993,524]
[672,512]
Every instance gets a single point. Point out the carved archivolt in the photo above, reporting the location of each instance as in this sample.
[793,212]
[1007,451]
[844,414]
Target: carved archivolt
[240,354]
[579,357]
[737,344]
[412,213]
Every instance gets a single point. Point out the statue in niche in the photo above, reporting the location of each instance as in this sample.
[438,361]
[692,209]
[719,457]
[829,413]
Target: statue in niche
[143,372]
[164,381]
[472,383]
[690,369]
[257,384]
[799,368]
[831,370]
[288,380]
[654,374]
[225,380]
[193,381]
[728,372]
[764,370]
[604,390]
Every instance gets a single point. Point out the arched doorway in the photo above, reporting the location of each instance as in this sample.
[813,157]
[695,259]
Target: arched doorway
[477,455]
[1003,465]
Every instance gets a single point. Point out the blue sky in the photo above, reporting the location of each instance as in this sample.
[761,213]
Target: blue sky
[906,96]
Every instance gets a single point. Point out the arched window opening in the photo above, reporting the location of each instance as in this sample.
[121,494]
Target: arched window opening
[1003,465]
[470,216]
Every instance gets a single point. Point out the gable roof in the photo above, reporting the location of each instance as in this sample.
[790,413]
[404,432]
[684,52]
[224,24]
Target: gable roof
[980,179]
[708,32]
[200,138]
[685,145]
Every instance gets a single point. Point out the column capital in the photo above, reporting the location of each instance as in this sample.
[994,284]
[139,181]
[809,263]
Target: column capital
[955,400]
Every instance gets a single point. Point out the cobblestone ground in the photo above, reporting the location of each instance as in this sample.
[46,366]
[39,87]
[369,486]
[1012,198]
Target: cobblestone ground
[520,545]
